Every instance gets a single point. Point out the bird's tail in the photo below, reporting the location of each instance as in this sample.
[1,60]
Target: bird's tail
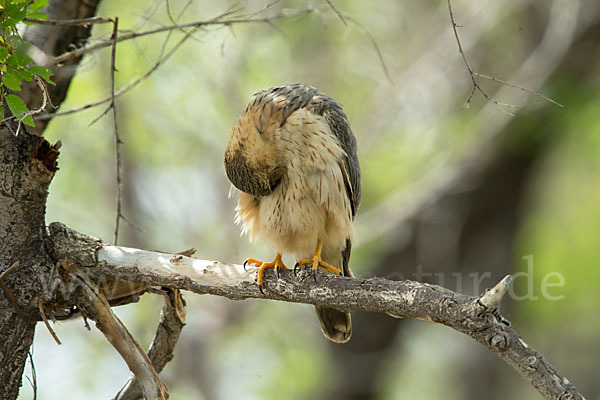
[336,325]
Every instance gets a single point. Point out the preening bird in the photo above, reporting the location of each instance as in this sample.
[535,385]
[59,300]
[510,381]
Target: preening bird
[293,156]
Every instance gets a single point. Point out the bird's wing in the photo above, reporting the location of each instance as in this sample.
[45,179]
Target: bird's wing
[332,111]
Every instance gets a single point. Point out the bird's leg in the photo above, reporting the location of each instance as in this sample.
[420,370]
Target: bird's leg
[317,262]
[277,263]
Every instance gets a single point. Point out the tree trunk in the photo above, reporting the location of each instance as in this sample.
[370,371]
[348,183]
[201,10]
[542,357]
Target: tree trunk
[27,165]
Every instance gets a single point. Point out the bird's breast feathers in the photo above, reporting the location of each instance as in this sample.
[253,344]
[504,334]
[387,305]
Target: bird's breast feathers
[310,199]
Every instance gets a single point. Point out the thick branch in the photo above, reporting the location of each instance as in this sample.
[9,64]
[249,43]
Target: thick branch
[95,306]
[172,321]
[402,299]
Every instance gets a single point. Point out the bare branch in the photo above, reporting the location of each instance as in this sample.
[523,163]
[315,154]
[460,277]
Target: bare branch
[45,319]
[118,141]
[492,297]
[476,317]
[33,379]
[339,14]
[72,22]
[172,321]
[95,306]
[369,36]
[9,294]
[491,78]
[215,21]
[122,90]
[473,74]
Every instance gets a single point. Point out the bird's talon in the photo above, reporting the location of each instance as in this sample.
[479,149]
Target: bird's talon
[244,265]
[314,275]
[277,264]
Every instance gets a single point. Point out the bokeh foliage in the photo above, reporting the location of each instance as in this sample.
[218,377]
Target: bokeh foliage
[175,126]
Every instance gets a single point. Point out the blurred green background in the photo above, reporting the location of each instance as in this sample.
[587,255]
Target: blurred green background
[454,195]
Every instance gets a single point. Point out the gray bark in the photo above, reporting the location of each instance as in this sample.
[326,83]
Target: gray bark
[27,165]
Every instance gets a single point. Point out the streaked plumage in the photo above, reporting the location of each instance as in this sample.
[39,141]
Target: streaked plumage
[293,156]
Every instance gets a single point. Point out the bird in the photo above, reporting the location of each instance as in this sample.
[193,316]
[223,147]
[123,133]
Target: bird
[293,157]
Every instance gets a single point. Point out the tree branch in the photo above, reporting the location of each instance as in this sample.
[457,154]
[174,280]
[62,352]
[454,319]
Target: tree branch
[172,321]
[94,305]
[215,21]
[477,317]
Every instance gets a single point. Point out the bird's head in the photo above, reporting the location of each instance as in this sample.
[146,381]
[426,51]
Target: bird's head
[252,160]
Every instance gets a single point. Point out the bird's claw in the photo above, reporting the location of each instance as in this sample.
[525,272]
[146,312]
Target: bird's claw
[277,264]
[314,264]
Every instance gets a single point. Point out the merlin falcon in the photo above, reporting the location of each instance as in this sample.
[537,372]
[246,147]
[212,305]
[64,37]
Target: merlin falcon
[293,156]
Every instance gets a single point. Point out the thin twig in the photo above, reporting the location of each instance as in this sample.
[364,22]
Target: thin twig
[45,99]
[215,21]
[371,38]
[172,18]
[339,14]
[72,22]
[118,141]
[33,380]
[45,319]
[473,74]
[491,78]
[9,294]
[122,90]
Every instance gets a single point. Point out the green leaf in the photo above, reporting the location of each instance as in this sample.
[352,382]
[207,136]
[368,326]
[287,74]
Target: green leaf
[15,12]
[14,41]
[44,72]
[18,108]
[3,54]
[18,58]
[11,81]
[37,15]
[1,113]
[37,4]
[24,74]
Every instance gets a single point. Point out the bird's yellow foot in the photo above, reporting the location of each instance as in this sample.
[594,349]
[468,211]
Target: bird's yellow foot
[317,262]
[277,263]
